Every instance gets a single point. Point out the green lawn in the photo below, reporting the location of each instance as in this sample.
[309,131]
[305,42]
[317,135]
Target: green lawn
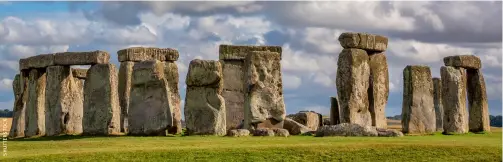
[470,147]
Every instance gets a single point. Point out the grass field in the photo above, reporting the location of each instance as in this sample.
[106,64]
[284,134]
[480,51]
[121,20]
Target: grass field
[469,147]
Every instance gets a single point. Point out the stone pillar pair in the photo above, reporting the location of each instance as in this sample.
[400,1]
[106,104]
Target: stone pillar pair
[148,88]
[362,80]
[461,74]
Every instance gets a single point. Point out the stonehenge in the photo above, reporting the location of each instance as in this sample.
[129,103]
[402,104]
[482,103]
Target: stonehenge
[362,79]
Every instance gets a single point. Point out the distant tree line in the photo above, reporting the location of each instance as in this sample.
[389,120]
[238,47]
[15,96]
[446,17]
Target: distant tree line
[494,120]
[6,113]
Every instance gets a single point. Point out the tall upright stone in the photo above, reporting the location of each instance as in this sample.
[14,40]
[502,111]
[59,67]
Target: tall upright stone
[172,76]
[233,58]
[334,111]
[35,110]
[64,102]
[125,77]
[477,102]
[150,111]
[379,89]
[19,110]
[454,100]
[264,102]
[101,101]
[437,101]
[204,104]
[418,112]
[352,82]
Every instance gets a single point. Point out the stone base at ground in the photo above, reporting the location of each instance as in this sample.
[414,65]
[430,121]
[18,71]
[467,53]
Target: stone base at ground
[238,133]
[346,129]
[388,132]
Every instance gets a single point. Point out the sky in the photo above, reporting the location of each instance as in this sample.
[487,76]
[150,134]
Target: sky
[420,33]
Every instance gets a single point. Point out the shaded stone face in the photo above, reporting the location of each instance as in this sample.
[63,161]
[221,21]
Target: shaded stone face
[464,61]
[233,52]
[418,112]
[39,61]
[364,41]
[204,104]
[454,100]
[294,127]
[352,85]
[150,111]
[477,102]
[79,73]
[64,102]
[35,110]
[263,88]
[334,111]
[125,77]
[137,54]
[307,118]
[379,89]
[19,110]
[437,101]
[101,101]
[171,75]
[81,58]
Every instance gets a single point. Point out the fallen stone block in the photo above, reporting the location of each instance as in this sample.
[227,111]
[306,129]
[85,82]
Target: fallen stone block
[281,132]
[238,133]
[437,100]
[204,104]
[346,129]
[39,61]
[379,89]
[101,101]
[35,110]
[464,61]
[352,83]
[81,58]
[307,118]
[477,102]
[263,132]
[137,54]
[418,111]
[295,128]
[364,41]
[388,132]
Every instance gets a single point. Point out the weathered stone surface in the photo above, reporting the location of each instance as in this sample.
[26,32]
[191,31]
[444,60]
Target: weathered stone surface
[264,89]
[147,54]
[150,111]
[101,101]
[477,102]
[125,77]
[379,89]
[388,132]
[233,74]
[64,102]
[204,105]
[281,132]
[294,127]
[326,121]
[334,111]
[307,118]
[233,52]
[171,75]
[454,100]
[19,110]
[418,111]
[263,132]
[81,58]
[352,85]
[35,110]
[464,61]
[365,41]
[437,100]
[346,129]
[79,73]
[238,133]
[39,61]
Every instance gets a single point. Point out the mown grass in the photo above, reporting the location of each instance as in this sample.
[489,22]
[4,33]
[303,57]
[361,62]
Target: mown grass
[469,147]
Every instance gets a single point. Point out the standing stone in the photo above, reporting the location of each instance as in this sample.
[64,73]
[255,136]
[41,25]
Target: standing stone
[35,110]
[19,110]
[477,102]
[334,111]
[204,104]
[64,102]
[171,75]
[307,118]
[101,101]
[264,103]
[379,89]
[418,111]
[454,100]
[233,58]
[125,77]
[150,112]
[437,100]
[352,85]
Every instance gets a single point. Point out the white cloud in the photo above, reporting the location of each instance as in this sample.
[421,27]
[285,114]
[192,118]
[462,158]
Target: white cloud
[291,81]
[6,84]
